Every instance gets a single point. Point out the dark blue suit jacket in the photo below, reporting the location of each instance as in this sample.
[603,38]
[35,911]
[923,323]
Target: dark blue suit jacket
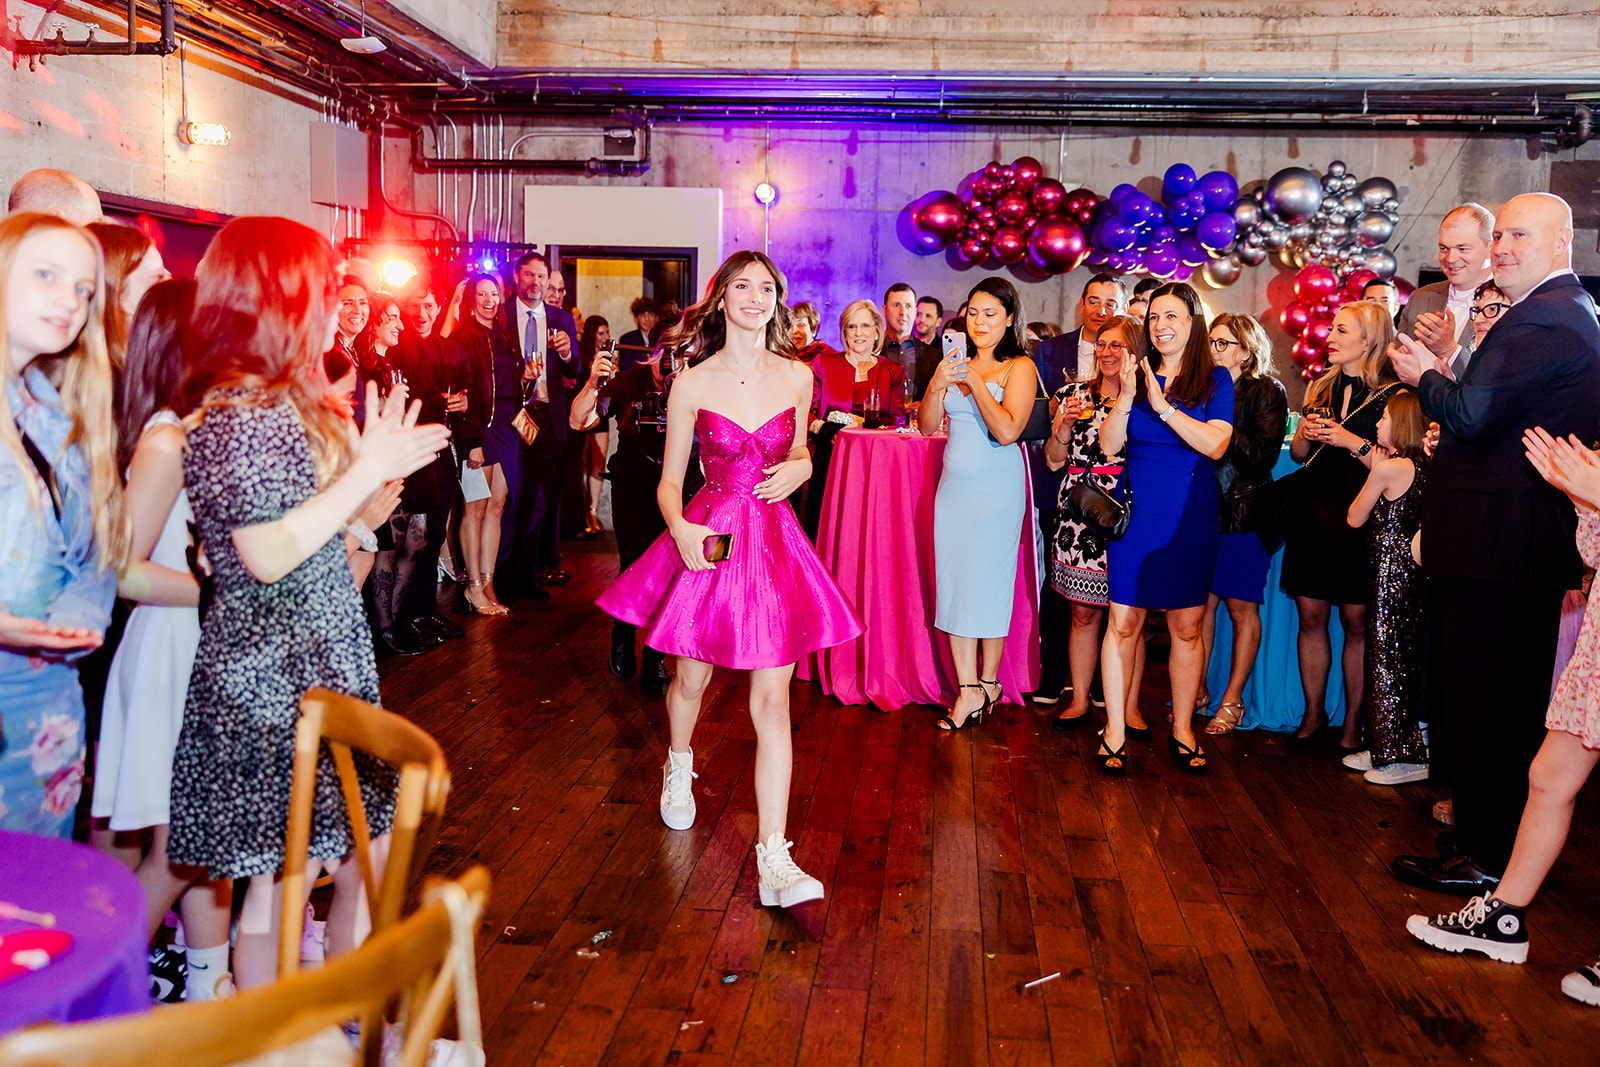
[556,370]
[1057,358]
[1486,513]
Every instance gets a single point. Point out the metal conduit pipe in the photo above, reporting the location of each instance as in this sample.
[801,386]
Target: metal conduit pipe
[421,161]
[60,46]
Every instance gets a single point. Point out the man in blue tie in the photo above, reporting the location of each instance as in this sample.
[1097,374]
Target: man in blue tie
[530,540]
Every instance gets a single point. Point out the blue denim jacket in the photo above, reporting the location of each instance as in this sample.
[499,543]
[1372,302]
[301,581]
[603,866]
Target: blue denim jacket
[48,569]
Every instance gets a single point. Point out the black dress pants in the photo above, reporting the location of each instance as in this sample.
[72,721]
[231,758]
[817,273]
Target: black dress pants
[1492,650]
[537,544]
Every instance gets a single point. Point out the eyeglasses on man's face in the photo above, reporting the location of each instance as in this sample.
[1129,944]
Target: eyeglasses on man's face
[1489,311]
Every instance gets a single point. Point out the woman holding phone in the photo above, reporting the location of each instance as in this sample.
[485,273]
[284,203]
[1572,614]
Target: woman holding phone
[733,582]
[987,390]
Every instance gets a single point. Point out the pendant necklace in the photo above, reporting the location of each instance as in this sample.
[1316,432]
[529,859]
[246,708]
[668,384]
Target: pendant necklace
[731,371]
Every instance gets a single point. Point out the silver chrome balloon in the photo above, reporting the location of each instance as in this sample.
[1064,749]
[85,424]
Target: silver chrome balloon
[1251,255]
[1373,229]
[1337,168]
[1381,262]
[1221,273]
[1374,191]
[1293,194]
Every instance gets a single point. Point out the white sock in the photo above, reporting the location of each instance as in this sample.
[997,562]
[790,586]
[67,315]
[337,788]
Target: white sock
[206,967]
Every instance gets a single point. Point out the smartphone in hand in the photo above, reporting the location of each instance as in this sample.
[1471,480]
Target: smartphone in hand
[955,346]
[718,547]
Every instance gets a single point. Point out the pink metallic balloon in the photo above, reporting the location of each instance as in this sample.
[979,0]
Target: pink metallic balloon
[1011,208]
[1009,245]
[1048,196]
[938,220]
[1315,282]
[1057,244]
[1294,319]
[1028,170]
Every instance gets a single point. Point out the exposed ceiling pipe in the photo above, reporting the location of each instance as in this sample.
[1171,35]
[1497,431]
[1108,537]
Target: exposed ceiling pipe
[480,163]
[375,167]
[60,46]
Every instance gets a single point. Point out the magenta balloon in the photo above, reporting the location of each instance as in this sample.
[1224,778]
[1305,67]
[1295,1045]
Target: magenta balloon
[991,169]
[1294,319]
[973,249]
[1007,176]
[1048,195]
[1011,208]
[1057,244]
[1028,170]
[1315,282]
[938,220]
[1009,245]
[1317,332]
[1359,280]
[1304,353]
[984,191]
[991,223]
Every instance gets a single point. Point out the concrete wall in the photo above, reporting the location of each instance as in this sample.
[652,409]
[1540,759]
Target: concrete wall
[1406,36]
[113,120]
[841,192]
[468,25]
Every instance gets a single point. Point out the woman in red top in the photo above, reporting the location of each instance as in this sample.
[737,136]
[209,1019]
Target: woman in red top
[845,381]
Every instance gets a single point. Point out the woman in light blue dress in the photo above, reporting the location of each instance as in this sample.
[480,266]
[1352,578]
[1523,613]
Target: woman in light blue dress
[62,533]
[979,510]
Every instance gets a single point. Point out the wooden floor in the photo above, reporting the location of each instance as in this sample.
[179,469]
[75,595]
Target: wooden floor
[1244,917]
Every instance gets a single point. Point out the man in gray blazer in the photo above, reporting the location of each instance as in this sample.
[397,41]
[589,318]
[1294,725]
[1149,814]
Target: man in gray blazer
[1436,314]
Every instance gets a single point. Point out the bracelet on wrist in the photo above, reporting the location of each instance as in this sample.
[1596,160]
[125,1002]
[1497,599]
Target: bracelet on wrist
[1166,415]
[363,535]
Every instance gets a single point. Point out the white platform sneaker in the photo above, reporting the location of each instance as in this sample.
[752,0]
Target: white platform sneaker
[677,790]
[783,883]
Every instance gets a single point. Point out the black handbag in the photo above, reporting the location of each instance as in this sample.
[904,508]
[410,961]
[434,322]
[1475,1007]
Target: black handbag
[1098,510]
[1280,504]
[1038,427]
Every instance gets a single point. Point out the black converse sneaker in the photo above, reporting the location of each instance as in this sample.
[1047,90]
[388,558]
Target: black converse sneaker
[1583,984]
[167,975]
[1485,925]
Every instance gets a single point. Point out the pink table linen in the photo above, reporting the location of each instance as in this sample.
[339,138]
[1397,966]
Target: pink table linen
[876,536]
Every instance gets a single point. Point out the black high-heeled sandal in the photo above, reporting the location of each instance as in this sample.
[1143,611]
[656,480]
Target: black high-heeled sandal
[1112,761]
[945,722]
[1190,760]
[991,701]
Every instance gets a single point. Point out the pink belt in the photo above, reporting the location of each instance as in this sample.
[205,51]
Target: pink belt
[1095,470]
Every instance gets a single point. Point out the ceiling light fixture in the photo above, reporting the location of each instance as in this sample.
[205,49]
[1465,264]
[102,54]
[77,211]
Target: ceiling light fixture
[363,45]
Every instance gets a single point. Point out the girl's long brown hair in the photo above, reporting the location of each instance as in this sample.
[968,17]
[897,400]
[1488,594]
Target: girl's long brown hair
[1408,426]
[266,293]
[81,373]
[703,330]
[124,248]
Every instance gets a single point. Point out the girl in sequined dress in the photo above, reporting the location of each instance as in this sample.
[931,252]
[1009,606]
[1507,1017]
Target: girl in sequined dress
[1390,505]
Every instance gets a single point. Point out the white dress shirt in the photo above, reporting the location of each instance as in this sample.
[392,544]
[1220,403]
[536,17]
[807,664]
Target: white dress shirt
[1459,303]
[1085,358]
[533,350]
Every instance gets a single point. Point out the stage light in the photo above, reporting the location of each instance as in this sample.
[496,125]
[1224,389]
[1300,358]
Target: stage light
[766,193]
[209,134]
[396,272]
[487,265]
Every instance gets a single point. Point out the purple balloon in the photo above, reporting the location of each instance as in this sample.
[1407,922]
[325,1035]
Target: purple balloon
[1098,257]
[1162,261]
[1219,190]
[1162,235]
[1117,235]
[1121,192]
[1141,238]
[1178,180]
[938,220]
[1183,273]
[1131,208]
[1216,231]
[1190,251]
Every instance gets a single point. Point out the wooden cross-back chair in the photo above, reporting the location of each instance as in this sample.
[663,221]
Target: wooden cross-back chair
[424,960]
[347,724]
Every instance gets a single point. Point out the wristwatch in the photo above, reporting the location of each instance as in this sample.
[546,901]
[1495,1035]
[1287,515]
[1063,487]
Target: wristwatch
[1366,446]
[1166,415]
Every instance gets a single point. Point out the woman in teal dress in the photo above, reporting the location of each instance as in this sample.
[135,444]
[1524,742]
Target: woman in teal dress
[1175,426]
[979,509]
[62,533]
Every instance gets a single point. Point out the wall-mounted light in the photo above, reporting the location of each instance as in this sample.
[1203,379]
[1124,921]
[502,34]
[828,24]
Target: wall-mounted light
[766,194]
[211,134]
[396,272]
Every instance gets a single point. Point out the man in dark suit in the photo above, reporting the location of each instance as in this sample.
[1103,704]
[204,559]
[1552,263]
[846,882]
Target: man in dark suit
[918,358]
[1497,540]
[1436,314]
[1067,357]
[546,337]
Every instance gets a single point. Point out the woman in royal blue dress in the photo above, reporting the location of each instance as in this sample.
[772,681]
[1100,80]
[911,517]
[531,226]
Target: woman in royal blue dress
[1175,427]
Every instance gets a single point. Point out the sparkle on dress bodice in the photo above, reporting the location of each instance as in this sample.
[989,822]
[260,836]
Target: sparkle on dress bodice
[734,458]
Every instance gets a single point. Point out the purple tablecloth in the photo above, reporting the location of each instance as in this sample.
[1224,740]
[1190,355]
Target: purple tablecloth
[96,900]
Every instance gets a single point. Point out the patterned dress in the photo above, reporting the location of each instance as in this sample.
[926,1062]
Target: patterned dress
[1395,624]
[1575,708]
[261,647]
[1078,559]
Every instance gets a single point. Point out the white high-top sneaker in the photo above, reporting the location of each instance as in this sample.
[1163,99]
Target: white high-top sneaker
[783,883]
[677,790]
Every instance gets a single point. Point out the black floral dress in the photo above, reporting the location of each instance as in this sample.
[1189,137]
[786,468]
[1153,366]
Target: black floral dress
[1078,558]
[261,647]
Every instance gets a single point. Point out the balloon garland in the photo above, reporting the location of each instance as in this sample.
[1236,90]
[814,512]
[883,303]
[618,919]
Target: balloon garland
[1331,228]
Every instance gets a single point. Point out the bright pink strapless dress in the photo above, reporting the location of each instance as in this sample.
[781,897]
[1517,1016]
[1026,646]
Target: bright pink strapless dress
[772,601]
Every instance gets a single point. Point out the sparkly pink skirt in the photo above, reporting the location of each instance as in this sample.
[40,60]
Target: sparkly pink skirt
[769,604]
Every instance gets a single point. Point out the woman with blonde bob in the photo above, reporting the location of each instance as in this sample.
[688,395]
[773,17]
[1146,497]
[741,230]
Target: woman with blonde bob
[1260,409]
[63,533]
[275,472]
[845,381]
[1325,561]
